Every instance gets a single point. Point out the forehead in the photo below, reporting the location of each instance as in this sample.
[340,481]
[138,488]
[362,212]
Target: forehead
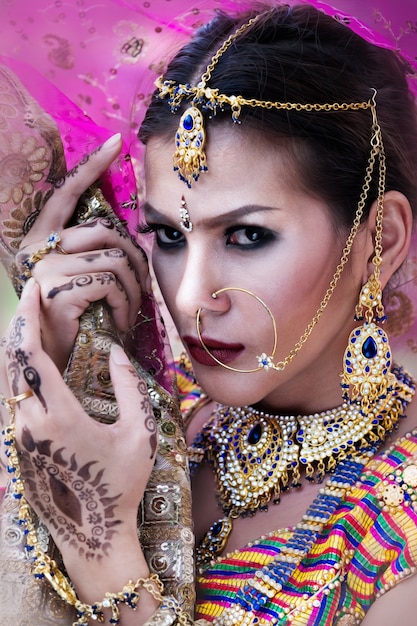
[240,162]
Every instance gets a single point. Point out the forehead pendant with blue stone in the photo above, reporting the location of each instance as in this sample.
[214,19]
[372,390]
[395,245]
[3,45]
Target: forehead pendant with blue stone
[189,156]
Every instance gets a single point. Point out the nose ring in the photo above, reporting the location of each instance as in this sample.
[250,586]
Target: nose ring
[265,362]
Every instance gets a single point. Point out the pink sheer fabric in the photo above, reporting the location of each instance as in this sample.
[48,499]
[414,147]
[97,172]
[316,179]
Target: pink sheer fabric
[104,55]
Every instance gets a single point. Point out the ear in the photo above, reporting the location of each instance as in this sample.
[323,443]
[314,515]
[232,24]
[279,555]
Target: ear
[397,228]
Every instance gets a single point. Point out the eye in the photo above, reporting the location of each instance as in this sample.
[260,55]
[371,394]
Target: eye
[248,236]
[165,236]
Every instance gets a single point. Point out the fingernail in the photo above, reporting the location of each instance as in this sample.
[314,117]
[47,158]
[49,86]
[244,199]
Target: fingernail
[118,355]
[112,141]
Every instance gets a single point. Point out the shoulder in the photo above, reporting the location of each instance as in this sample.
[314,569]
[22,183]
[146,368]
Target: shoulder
[397,606]
[379,519]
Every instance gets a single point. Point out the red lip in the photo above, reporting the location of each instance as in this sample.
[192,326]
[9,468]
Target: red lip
[223,352]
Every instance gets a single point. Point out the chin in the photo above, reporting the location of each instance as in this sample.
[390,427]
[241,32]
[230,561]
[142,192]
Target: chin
[234,388]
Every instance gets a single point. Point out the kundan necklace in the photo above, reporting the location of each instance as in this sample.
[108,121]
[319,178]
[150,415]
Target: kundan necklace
[256,455]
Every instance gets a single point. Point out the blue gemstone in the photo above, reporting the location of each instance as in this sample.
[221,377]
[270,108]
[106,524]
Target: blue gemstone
[255,434]
[188,122]
[369,348]
[216,528]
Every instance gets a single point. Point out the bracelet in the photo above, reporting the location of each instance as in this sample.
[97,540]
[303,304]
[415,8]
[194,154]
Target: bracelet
[129,595]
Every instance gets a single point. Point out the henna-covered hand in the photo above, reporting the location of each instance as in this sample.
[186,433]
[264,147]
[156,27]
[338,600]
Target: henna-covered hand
[85,479]
[99,248]
[73,499]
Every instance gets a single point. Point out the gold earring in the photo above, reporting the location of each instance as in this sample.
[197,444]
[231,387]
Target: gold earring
[264,361]
[367,359]
[185,221]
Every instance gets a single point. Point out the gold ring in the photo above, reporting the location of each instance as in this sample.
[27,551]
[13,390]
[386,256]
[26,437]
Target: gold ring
[51,243]
[22,396]
[60,249]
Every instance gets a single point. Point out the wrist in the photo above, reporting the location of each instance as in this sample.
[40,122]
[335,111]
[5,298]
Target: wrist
[93,577]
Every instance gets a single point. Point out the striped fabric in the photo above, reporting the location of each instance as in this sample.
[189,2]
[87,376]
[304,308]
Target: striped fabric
[190,394]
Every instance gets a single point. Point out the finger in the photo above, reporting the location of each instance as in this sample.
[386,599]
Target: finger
[66,302]
[94,276]
[131,392]
[102,233]
[60,207]
[28,366]
[100,245]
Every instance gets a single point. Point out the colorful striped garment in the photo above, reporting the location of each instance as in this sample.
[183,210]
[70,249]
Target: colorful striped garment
[367,547]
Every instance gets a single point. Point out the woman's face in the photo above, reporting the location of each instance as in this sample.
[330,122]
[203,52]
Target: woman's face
[253,229]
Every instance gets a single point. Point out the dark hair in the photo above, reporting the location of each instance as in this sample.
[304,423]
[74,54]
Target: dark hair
[300,54]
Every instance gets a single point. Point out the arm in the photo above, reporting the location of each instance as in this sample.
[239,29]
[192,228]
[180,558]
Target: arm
[398,605]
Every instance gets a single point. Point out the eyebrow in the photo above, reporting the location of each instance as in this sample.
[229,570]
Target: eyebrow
[153,215]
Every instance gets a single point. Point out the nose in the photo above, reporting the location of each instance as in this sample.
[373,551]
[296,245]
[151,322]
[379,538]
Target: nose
[202,277]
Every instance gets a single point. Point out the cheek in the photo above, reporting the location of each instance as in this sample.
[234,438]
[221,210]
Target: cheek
[295,293]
